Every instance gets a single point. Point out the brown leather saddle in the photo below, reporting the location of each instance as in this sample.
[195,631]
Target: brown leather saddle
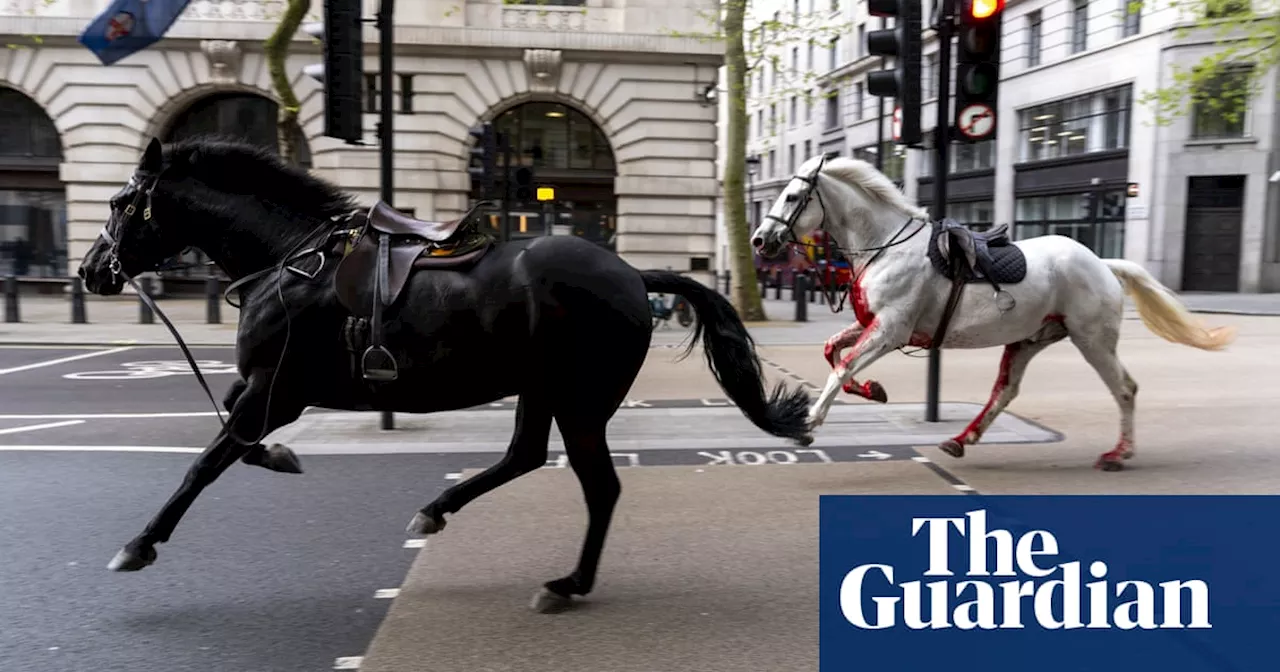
[378,260]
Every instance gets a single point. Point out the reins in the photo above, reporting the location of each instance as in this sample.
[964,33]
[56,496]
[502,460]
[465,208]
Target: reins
[151,179]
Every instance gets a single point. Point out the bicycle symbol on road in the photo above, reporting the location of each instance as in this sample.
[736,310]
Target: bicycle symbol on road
[155,369]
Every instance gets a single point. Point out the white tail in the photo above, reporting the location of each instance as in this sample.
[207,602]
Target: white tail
[1163,313]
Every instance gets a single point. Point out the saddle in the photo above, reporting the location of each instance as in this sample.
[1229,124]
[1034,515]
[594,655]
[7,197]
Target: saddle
[379,258]
[963,255]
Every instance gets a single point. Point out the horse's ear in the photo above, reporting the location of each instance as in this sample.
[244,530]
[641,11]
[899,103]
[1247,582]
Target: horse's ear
[153,158]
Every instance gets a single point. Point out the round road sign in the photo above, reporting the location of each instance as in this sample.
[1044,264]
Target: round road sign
[976,121]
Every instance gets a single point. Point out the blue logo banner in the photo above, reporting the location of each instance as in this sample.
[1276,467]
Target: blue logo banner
[126,27]
[1049,583]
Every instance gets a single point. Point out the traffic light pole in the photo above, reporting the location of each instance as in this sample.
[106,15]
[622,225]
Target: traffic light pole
[884,63]
[386,124]
[507,189]
[941,147]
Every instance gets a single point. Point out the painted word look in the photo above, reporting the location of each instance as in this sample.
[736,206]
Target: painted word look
[1027,555]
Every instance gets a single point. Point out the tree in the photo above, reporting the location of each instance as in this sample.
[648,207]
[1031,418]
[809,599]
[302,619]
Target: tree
[744,59]
[277,52]
[1222,82]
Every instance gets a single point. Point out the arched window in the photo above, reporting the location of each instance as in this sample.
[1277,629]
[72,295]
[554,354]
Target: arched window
[33,205]
[246,116]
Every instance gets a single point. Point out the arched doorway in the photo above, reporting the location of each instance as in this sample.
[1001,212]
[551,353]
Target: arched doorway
[245,116]
[569,153]
[33,202]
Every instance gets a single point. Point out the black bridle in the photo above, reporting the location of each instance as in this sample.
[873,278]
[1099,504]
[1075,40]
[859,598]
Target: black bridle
[811,191]
[144,183]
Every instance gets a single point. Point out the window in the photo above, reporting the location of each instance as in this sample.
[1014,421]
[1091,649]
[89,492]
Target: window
[759,123]
[1222,9]
[1079,25]
[808,107]
[775,66]
[793,117]
[833,110]
[1100,228]
[857,101]
[791,159]
[1219,108]
[835,53]
[773,118]
[895,159]
[812,65]
[862,41]
[773,164]
[795,61]
[1093,122]
[977,215]
[1034,36]
[963,157]
[33,232]
[1132,17]
[929,76]
[406,94]
[795,9]
[808,149]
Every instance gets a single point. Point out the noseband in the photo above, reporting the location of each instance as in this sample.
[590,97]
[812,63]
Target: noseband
[143,183]
[811,190]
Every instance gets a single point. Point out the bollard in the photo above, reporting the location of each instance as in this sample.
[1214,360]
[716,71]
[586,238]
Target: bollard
[798,291]
[145,316]
[213,307]
[777,285]
[11,313]
[764,286]
[77,302]
[388,420]
[728,282]
[813,289]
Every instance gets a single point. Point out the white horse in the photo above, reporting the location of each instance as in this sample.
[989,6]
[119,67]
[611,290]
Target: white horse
[900,297]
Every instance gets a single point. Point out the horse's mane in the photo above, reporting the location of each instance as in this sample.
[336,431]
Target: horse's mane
[862,175]
[238,167]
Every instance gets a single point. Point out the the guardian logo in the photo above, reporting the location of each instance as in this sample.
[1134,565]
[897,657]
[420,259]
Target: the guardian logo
[1037,590]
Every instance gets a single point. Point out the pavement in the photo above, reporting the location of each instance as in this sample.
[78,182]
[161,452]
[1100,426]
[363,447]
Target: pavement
[710,565]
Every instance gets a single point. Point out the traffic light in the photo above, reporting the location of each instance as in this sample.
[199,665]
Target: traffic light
[524,187]
[342,71]
[978,69]
[485,154]
[903,43]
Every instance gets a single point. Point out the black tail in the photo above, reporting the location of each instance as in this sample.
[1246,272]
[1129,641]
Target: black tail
[731,354]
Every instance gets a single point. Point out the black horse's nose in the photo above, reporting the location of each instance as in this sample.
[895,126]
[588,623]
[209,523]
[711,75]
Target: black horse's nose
[757,241]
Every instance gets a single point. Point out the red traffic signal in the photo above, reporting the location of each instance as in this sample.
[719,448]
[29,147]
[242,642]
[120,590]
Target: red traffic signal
[984,9]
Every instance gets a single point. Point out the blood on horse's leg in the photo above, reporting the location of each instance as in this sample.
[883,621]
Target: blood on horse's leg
[831,351]
[1101,355]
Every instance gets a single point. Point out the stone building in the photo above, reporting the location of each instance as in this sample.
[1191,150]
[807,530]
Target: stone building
[1077,153]
[612,109]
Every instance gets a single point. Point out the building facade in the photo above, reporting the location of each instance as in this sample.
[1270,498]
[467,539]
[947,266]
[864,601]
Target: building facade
[1077,152]
[610,107]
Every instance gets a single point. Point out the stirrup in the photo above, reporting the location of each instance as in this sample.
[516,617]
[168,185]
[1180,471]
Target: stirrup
[378,373]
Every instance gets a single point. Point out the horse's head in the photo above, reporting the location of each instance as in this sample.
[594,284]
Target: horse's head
[853,201]
[789,220]
[133,240]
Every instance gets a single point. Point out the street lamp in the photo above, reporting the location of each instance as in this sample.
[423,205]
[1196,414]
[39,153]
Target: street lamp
[753,166]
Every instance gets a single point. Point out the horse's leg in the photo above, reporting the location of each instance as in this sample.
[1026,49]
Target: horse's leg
[277,457]
[831,351]
[526,452]
[247,418]
[1099,349]
[1013,365]
[588,453]
[886,332]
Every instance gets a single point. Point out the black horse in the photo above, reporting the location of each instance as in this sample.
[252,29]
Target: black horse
[559,321]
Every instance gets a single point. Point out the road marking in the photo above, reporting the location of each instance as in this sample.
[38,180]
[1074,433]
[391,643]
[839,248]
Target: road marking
[453,477]
[962,487]
[386,593]
[415,543]
[920,458]
[47,425]
[107,416]
[63,360]
[348,663]
[101,449]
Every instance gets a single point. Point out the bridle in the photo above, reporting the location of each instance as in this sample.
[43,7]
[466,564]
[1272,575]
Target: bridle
[811,191]
[144,183]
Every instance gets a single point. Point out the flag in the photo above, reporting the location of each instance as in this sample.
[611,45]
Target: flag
[126,27]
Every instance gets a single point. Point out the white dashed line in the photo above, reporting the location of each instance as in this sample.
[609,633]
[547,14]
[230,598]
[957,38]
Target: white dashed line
[386,593]
[415,543]
[348,663]
[921,459]
[453,476]
[962,487]
[62,360]
[47,425]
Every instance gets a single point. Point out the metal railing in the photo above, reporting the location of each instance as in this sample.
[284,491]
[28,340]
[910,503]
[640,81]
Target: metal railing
[73,288]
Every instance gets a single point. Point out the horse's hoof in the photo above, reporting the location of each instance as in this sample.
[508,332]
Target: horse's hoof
[131,559]
[281,458]
[549,602]
[424,524]
[803,441]
[1106,463]
[876,392]
[952,447]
